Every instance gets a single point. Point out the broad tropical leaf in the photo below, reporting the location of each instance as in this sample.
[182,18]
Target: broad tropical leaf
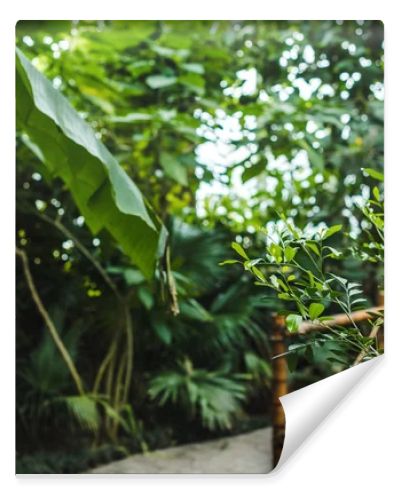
[106,196]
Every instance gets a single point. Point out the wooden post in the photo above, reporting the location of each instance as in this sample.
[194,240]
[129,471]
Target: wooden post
[381,333]
[280,384]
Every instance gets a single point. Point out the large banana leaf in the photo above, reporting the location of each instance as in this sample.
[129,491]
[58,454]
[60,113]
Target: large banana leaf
[68,148]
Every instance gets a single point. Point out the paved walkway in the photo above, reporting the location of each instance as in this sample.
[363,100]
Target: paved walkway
[249,453]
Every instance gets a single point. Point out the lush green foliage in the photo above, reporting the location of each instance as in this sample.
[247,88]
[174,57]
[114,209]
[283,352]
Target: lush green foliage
[173,139]
[297,266]
[68,148]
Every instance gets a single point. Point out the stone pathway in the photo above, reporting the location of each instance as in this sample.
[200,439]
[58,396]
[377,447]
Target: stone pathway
[249,453]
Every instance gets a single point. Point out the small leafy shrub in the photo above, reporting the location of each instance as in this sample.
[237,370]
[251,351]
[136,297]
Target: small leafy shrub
[297,266]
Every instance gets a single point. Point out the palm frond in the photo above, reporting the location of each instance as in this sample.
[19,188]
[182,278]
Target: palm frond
[84,410]
[45,372]
[213,397]
[196,255]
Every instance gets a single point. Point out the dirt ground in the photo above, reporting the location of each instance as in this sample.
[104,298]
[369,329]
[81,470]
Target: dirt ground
[249,453]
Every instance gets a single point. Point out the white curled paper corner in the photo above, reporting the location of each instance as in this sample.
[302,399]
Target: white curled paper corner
[306,408]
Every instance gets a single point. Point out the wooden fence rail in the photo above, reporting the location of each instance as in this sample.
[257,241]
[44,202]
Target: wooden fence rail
[280,368]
